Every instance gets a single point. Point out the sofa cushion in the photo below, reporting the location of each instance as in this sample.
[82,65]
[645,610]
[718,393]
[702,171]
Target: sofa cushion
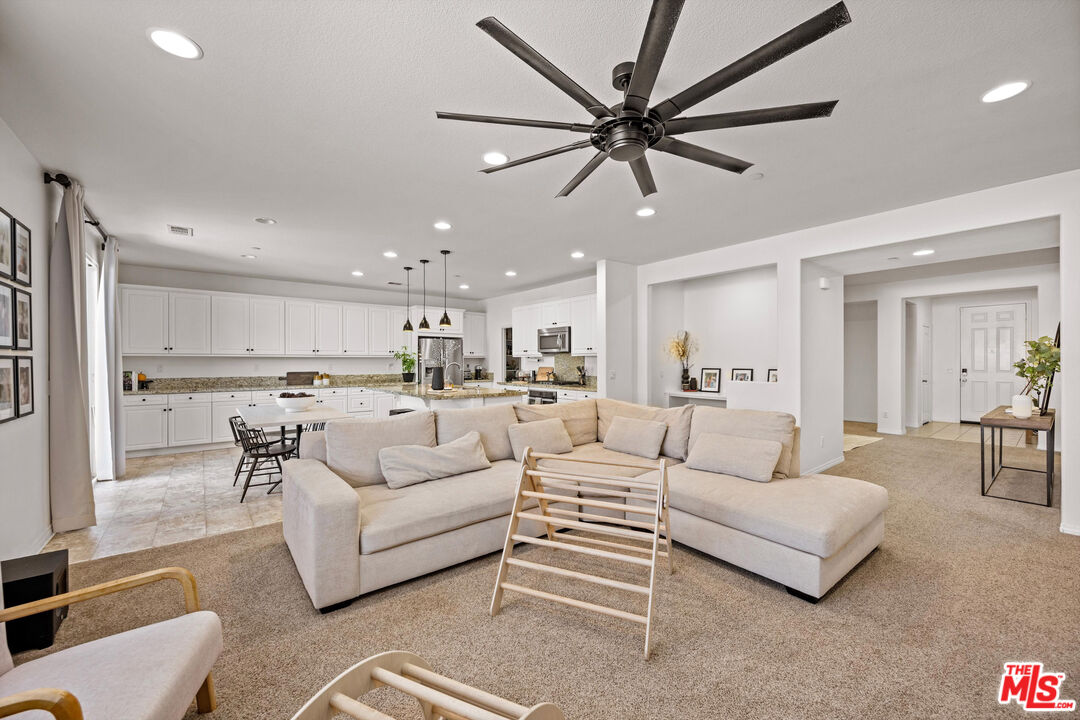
[546,436]
[491,422]
[817,514]
[597,451]
[750,458]
[404,465]
[677,419]
[635,437]
[352,446]
[579,417]
[747,423]
[389,518]
[149,673]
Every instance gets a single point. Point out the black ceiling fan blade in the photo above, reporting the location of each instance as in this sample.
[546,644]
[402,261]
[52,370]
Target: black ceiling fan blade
[505,37]
[795,39]
[539,156]
[583,173]
[701,155]
[654,44]
[643,175]
[520,122]
[784,113]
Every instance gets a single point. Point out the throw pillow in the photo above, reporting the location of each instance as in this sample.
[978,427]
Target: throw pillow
[579,418]
[745,457]
[405,465]
[352,446]
[636,437]
[546,436]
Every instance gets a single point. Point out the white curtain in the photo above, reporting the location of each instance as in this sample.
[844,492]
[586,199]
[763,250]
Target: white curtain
[108,371]
[71,486]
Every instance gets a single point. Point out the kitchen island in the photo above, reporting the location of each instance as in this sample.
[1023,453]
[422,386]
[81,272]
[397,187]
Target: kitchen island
[422,397]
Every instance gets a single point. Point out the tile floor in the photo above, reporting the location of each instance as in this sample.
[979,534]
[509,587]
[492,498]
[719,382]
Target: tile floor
[167,499]
[963,432]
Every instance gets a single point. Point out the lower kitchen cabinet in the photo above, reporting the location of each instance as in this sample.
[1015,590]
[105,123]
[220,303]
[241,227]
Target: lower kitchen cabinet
[190,424]
[146,426]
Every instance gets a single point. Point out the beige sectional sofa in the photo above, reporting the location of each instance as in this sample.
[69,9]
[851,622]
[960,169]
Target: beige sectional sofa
[350,533]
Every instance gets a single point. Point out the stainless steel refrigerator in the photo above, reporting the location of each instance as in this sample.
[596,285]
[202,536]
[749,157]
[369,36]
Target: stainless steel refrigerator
[444,352]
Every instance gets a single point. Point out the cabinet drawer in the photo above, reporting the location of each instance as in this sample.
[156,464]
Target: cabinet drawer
[189,399]
[358,391]
[233,397]
[358,403]
[263,396]
[145,400]
[332,392]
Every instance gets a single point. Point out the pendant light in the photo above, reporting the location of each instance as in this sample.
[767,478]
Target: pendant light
[423,319]
[407,327]
[444,321]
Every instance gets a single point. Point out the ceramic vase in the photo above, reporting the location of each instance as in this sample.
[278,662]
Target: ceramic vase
[1021,407]
[686,379]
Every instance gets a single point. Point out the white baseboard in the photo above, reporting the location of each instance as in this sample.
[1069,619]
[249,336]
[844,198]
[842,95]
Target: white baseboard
[42,540]
[177,449]
[1070,529]
[824,466]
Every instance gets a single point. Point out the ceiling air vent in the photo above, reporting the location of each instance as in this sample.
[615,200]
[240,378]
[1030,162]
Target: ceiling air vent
[181,230]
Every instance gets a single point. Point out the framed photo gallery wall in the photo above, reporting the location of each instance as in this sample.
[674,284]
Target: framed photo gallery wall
[16,319]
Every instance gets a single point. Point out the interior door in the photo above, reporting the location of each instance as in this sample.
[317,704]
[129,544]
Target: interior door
[991,340]
[924,377]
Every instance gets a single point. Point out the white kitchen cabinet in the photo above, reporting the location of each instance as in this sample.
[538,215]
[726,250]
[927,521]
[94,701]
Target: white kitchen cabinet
[267,326]
[398,337]
[475,342]
[379,330]
[328,339]
[583,336]
[146,422]
[525,321]
[230,322]
[555,314]
[299,327]
[384,403]
[338,402]
[189,323]
[434,314]
[355,330]
[190,421]
[145,321]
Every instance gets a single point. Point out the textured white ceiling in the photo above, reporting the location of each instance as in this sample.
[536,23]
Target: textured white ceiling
[322,115]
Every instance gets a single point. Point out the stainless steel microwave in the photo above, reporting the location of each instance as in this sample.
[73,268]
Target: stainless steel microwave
[553,340]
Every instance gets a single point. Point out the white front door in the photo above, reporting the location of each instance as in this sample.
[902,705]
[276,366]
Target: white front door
[924,376]
[991,340]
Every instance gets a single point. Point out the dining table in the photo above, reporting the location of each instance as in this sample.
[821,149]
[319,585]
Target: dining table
[264,416]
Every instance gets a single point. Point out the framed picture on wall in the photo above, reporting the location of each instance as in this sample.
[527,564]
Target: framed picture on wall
[24,385]
[7,389]
[742,374]
[24,339]
[7,316]
[710,380]
[7,245]
[773,375]
[22,253]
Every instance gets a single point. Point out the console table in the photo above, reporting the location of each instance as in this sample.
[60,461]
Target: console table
[997,420]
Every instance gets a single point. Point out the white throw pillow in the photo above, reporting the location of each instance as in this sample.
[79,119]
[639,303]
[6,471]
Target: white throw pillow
[546,436]
[750,458]
[636,437]
[405,465]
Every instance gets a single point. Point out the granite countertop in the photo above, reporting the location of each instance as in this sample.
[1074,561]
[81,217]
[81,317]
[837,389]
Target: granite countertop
[458,393]
[179,386]
[591,387]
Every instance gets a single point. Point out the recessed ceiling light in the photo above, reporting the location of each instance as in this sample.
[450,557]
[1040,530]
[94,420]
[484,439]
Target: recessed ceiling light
[463,286]
[495,157]
[442,225]
[174,43]
[756,176]
[1006,91]
[577,254]
[266,221]
[247,256]
[920,253]
[511,273]
[358,273]
[390,254]
[645,212]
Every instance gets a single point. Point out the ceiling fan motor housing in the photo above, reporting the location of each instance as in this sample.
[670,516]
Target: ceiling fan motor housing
[626,137]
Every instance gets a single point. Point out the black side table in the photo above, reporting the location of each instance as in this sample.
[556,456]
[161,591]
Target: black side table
[997,420]
[32,578]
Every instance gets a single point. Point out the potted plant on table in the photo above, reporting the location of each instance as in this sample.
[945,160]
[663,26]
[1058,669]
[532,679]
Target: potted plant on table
[681,347]
[1042,361]
[408,364]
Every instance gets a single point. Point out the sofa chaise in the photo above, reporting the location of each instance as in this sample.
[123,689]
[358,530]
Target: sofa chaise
[350,533]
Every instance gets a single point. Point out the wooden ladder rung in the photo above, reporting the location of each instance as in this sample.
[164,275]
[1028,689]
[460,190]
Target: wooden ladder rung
[612,480]
[593,461]
[584,550]
[605,519]
[576,525]
[572,602]
[355,708]
[589,502]
[620,546]
[605,492]
[466,692]
[438,698]
[595,579]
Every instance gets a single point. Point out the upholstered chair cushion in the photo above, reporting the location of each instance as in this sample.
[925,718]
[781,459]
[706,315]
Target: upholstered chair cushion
[636,437]
[579,418]
[352,446]
[762,424]
[404,465]
[750,458]
[491,422]
[546,436]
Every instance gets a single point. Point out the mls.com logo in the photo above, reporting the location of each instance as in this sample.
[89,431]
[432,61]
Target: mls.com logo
[1032,689]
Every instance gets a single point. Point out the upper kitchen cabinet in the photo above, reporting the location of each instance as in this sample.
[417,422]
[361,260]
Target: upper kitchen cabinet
[267,326]
[189,323]
[312,327]
[145,321]
[328,339]
[583,340]
[398,337]
[379,342]
[355,329]
[434,313]
[246,325]
[525,321]
[555,314]
[475,343]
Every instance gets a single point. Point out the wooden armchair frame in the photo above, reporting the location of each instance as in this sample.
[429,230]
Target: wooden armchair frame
[62,704]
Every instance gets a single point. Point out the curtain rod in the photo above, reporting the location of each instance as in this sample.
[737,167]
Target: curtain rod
[64,181]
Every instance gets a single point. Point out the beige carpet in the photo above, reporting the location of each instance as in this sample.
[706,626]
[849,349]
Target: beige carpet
[961,585]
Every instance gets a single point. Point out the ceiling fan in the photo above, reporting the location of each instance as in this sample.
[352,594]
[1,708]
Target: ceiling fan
[626,130]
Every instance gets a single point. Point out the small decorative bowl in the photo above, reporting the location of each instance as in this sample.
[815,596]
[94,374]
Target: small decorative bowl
[295,404]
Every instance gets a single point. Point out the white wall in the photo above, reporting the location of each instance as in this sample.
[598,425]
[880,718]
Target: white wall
[616,322]
[665,307]
[24,442]
[822,394]
[860,361]
[1051,196]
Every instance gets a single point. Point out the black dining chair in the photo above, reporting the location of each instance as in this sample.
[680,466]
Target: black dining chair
[262,457]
